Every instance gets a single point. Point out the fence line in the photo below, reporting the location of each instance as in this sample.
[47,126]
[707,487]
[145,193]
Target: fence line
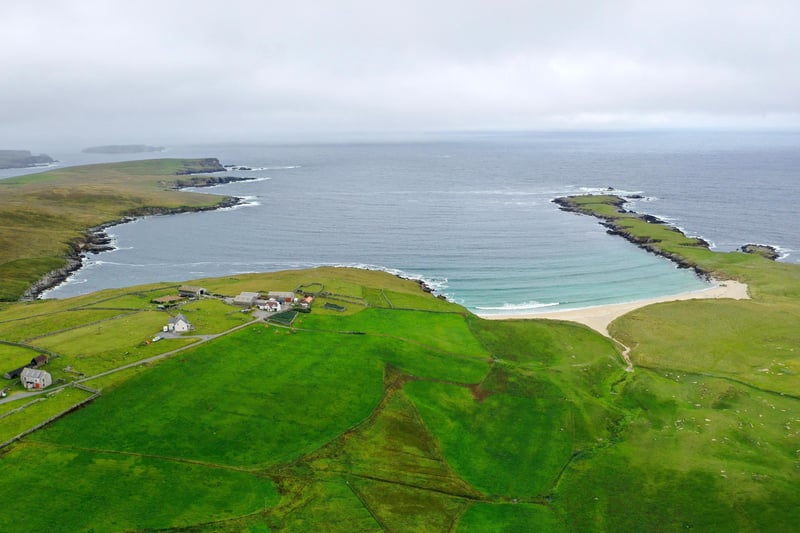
[94,396]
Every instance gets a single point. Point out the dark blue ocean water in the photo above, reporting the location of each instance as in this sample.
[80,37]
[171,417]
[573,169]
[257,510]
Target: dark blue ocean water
[471,214]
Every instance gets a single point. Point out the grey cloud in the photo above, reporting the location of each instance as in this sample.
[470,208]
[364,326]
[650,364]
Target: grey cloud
[168,70]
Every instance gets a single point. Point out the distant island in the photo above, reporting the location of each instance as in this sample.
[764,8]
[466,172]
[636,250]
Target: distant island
[23,159]
[122,149]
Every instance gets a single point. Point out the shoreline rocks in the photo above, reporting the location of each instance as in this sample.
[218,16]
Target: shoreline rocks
[96,240]
[208,181]
[764,250]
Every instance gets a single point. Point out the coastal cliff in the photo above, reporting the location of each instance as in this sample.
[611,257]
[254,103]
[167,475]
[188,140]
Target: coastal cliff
[23,159]
[53,220]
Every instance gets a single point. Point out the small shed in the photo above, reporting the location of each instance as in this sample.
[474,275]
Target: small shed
[246,299]
[33,378]
[179,324]
[39,360]
[190,291]
[14,374]
[286,297]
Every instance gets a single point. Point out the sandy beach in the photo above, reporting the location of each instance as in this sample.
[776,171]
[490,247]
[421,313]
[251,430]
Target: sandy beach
[599,317]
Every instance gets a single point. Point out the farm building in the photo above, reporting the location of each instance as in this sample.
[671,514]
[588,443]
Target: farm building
[36,362]
[179,324]
[35,379]
[190,291]
[287,297]
[246,299]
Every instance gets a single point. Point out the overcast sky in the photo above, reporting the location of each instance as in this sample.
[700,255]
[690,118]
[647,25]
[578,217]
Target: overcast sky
[86,72]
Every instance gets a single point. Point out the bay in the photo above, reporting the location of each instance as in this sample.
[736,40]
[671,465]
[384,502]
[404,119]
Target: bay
[470,214]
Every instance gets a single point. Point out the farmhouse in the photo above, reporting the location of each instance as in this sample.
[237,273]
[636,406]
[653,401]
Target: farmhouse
[190,291]
[246,299]
[179,324]
[35,379]
[270,305]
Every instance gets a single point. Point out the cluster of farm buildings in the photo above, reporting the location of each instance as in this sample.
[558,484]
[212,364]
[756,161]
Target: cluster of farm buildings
[33,377]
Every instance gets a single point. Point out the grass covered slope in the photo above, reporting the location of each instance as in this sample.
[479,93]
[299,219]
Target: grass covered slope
[716,396]
[369,418]
[43,217]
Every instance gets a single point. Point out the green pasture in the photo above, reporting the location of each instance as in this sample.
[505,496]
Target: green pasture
[89,490]
[12,357]
[750,341]
[105,345]
[37,409]
[264,399]
[516,518]
[502,445]
[36,327]
[445,332]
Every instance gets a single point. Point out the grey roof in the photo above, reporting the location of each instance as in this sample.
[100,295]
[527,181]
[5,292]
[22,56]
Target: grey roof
[177,318]
[33,373]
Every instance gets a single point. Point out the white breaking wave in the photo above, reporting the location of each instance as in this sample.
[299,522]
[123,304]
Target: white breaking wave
[248,201]
[239,168]
[527,306]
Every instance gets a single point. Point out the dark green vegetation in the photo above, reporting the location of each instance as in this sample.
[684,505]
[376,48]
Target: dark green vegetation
[122,149]
[22,159]
[44,217]
[392,410]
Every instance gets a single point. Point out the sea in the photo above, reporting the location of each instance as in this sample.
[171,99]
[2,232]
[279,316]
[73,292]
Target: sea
[471,214]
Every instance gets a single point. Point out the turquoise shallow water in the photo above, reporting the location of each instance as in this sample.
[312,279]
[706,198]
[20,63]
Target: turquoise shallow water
[471,214]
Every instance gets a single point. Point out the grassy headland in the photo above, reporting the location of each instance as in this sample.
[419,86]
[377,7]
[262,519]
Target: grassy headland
[44,217]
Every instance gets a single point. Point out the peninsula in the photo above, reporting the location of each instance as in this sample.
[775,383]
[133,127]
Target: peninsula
[47,220]
[23,159]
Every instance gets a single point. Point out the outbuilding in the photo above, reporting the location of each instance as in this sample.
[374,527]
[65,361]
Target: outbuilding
[246,299]
[190,291]
[286,297]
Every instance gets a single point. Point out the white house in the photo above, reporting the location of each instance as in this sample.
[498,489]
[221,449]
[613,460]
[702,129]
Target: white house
[33,378]
[271,305]
[178,324]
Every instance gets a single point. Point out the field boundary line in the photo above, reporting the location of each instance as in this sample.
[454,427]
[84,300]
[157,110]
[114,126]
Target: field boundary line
[52,418]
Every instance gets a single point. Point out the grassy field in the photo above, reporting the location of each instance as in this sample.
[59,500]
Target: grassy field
[406,413]
[43,215]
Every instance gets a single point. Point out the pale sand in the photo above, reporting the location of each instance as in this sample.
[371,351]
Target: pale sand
[599,317]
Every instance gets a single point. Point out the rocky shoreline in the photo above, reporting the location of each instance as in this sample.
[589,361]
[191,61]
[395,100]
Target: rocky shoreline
[96,240]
